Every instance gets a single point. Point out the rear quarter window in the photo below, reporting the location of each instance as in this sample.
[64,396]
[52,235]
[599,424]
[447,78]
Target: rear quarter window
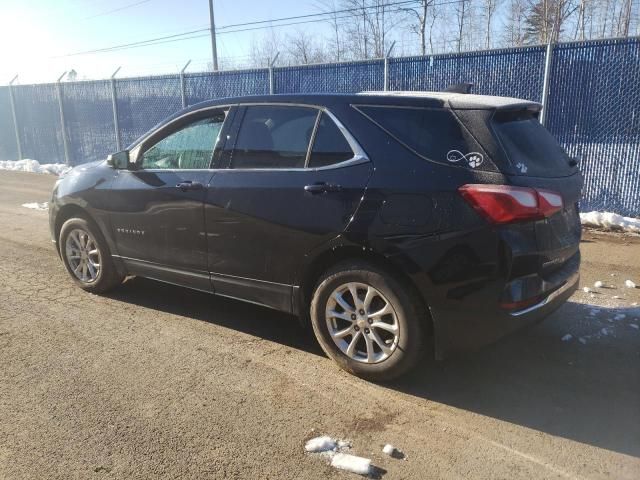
[432,133]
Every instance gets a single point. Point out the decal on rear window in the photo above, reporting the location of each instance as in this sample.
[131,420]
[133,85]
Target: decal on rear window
[473,159]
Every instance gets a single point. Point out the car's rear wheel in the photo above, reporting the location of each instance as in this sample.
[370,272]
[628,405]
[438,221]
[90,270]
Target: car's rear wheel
[86,256]
[367,321]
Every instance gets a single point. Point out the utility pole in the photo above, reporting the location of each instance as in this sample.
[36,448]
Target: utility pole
[212,28]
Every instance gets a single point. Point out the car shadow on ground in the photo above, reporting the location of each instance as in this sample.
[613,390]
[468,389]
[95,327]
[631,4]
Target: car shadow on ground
[244,317]
[586,389]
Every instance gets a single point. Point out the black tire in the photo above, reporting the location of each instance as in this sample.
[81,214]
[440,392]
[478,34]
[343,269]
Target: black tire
[410,317]
[107,276]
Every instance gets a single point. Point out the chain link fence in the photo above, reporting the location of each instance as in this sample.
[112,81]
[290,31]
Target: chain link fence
[591,100]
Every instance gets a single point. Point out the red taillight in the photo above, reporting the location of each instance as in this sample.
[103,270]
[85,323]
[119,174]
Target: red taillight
[506,204]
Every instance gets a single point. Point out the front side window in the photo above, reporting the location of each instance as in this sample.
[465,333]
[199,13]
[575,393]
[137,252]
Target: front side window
[274,137]
[189,148]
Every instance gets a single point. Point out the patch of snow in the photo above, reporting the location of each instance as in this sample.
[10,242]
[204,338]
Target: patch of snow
[610,221]
[37,206]
[598,284]
[567,337]
[634,325]
[619,316]
[586,289]
[33,166]
[344,444]
[388,449]
[351,463]
[604,332]
[615,297]
[629,284]
[582,340]
[320,444]
[634,304]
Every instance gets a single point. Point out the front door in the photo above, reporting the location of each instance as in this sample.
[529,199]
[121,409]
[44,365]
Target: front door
[157,209]
[293,182]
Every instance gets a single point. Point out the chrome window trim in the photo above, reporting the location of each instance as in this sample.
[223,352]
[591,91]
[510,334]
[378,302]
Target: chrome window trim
[312,138]
[360,156]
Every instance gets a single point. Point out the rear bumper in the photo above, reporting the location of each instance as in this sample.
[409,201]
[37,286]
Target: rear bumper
[462,330]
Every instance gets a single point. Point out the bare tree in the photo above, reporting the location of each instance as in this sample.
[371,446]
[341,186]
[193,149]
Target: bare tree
[461,12]
[434,13]
[303,48]
[514,26]
[625,18]
[419,15]
[334,42]
[547,19]
[489,8]
[264,49]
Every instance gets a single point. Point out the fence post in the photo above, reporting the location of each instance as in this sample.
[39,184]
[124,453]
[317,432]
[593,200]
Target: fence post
[114,105]
[15,117]
[545,83]
[62,120]
[386,67]
[271,79]
[183,90]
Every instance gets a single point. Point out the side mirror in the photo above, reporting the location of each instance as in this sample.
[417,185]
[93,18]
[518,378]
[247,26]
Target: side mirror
[119,160]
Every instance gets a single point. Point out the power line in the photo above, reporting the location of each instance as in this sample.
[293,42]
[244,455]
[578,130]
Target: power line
[333,12]
[109,12]
[194,33]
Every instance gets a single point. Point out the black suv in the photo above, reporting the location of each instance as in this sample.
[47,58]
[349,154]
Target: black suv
[394,223]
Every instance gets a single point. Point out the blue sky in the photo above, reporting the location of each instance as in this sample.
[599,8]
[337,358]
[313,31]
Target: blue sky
[35,34]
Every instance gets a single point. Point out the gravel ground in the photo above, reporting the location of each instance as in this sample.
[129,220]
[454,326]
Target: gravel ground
[159,381]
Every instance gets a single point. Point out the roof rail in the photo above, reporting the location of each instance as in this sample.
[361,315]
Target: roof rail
[459,88]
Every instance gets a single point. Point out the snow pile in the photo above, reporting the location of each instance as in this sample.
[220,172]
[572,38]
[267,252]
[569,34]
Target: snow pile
[565,338]
[335,451]
[629,284]
[37,206]
[33,166]
[610,221]
[351,463]
[598,284]
[320,444]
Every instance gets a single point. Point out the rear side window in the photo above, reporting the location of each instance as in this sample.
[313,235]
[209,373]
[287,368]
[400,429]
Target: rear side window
[329,145]
[531,149]
[434,134]
[274,137]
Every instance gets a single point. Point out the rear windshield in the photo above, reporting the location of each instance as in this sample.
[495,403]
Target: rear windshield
[432,133]
[531,149]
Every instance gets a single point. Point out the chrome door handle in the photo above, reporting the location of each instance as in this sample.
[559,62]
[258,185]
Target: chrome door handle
[189,185]
[322,187]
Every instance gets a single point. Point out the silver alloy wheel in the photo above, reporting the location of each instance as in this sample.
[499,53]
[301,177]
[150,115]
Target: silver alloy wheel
[83,255]
[362,322]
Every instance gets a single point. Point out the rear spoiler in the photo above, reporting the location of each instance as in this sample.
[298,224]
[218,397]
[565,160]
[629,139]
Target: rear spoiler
[464,88]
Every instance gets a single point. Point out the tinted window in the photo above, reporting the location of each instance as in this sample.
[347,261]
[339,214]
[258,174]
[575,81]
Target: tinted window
[531,149]
[274,137]
[329,146]
[188,148]
[431,133]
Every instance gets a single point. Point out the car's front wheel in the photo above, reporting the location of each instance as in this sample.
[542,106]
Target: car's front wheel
[86,256]
[367,321]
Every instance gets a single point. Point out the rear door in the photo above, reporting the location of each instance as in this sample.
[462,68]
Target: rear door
[157,210]
[294,179]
